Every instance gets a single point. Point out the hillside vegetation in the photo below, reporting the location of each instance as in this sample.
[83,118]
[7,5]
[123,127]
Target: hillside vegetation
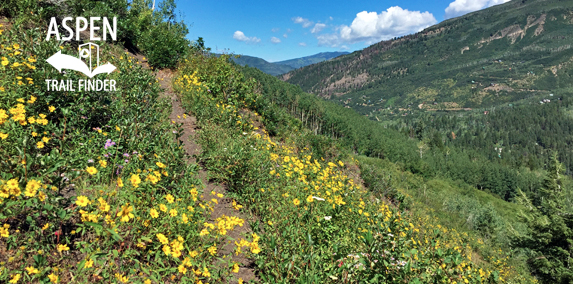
[309,60]
[281,67]
[263,65]
[96,187]
[317,223]
[506,53]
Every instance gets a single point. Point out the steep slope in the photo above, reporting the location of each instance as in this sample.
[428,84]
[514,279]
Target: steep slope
[308,60]
[506,53]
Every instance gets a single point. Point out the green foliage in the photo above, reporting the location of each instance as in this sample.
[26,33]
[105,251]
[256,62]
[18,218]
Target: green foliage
[164,45]
[316,225]
[549,239]
[161,37]
[156,33]
[82,172]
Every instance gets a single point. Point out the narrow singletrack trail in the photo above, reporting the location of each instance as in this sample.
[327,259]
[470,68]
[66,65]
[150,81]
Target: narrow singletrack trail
[224,206]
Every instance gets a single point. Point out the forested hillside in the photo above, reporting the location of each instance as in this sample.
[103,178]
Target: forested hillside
[263,65]
[517,51]
[516,136]
[281,67]
[308,60]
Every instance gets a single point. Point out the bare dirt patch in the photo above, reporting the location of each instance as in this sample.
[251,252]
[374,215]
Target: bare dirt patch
[498,87]
[514,32]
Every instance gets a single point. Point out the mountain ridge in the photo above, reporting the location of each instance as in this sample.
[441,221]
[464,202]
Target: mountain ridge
[282,67]
[506,53]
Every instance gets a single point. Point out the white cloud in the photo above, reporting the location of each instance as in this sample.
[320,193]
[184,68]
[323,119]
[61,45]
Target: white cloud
[240,36]
[302,43]
[331,18]
[275,40]
[371,27]
[317,28]
[285,35]
[289,30]
[461,7]
[344,47]
[305,22]
[274,30]
[332,40]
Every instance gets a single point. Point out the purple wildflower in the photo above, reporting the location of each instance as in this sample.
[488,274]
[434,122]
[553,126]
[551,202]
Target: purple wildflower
[90,161]
[125,154]
[109,143]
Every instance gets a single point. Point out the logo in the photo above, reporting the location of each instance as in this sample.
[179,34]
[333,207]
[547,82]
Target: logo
[88,60]
[63,61]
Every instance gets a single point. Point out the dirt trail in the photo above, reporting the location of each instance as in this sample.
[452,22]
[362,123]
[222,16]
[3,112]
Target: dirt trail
[224,205]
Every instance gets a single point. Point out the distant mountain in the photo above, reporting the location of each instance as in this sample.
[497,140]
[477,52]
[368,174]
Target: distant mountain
[308,60]
[281,67]
[263,65]
[520,51]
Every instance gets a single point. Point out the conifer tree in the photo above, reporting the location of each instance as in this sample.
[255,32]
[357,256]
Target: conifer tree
[549,237]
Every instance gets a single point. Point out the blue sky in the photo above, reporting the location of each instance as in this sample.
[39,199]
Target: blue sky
[281,30]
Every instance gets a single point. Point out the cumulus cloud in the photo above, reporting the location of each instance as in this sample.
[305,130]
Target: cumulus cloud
[317,28]
[302,43]
[274,30]
[285,35]
[275,40]
[371,27]
[461,7]
[304,22]
[240,36]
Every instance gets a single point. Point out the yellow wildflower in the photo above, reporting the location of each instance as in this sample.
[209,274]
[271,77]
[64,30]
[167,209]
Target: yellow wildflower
[63,248]
[15,278]
[135,180]
[32,270]
[91,170]
[89,263]
[153,213]
[53,278]
[82,201]
[162,238]
[125,213]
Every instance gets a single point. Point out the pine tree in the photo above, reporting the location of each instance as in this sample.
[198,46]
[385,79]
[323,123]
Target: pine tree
[549,237]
